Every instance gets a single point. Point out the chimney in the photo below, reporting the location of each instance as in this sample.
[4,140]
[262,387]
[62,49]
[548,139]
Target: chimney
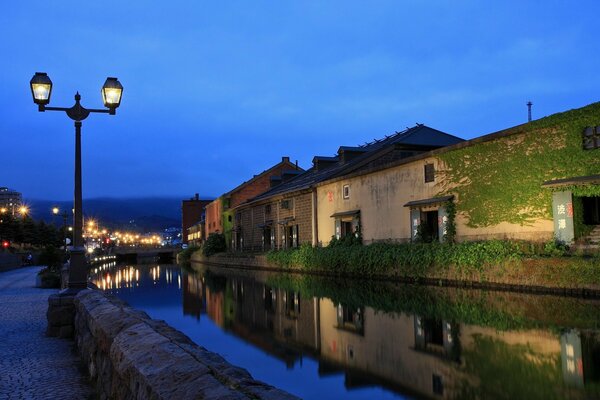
[285,159]
[197,196]
[529,104]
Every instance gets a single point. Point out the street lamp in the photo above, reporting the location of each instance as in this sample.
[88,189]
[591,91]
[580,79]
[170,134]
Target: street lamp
[41,89]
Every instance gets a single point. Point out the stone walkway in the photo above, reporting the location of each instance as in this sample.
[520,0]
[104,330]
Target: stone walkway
[32,365]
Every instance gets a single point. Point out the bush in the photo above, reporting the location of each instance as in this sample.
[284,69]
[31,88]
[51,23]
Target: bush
[215,243]
[185,256]
[555,248]
[408,259]
[49,278]
[52,258]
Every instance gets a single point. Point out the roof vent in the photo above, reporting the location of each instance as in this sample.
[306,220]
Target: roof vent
[346,153]
[321,163]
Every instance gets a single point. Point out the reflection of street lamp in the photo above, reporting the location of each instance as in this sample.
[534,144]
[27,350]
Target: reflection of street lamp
[41,89]
[64,215]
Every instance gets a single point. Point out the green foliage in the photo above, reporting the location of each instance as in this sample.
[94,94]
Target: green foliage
[580,228]
[405,259]
[500,180]
[450,235]
[424,234]
[52,258]
[25,231]
[185,256]
[215,243]
[555,248]
[49,278]
[500,310]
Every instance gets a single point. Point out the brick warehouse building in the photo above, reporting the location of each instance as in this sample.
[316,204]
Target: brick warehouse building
[191,213]
[219,218]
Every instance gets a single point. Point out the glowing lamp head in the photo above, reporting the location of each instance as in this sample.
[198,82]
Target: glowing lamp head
[55,210]
[111,93]
[41,88]
[23,210]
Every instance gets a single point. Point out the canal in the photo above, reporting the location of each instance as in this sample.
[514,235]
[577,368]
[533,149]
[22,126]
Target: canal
[321,338]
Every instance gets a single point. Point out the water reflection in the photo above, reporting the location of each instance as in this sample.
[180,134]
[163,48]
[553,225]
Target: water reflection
[382,339]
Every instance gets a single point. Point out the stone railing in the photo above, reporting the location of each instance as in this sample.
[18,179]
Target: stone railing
[129,355]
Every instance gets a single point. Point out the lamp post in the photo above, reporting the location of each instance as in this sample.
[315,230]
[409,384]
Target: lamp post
[41,89]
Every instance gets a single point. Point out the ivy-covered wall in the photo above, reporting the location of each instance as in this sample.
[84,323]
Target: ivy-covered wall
[500,180]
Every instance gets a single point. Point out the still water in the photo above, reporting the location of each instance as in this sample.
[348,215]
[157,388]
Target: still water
[320,338]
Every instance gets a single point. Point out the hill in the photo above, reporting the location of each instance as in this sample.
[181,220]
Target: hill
[145,214]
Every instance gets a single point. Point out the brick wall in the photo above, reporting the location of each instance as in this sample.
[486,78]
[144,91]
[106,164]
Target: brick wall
[298,212]
[191,210]
[214,222]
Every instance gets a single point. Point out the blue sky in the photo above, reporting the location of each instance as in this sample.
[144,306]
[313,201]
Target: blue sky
[218,91]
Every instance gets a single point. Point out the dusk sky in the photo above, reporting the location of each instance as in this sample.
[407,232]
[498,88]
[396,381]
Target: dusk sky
[215,92]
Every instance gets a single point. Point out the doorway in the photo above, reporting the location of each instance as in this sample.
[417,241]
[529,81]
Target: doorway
[591,210]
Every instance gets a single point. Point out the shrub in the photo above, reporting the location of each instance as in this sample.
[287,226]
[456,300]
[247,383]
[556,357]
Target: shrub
[52,258]
[555,248]
[185,256]
[215,243]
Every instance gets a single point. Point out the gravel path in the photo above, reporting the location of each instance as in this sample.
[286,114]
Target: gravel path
[32,365]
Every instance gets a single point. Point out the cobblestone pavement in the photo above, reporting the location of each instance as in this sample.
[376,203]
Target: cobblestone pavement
[32,365]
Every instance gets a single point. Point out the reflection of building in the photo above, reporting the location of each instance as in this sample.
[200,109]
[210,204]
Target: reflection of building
[580,356]
[280,322]
[193,298]
[400,351]
[409,354]
[10,199]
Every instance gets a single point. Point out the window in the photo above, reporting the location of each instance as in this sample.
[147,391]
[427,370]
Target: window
[429,173]
[286,204]
[591,138]
[346,191]
[268,209]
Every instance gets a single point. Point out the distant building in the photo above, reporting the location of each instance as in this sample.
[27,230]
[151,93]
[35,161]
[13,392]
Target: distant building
[10,200]
[191,213]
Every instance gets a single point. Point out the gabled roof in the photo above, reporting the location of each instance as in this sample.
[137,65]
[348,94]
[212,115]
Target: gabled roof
[419,136]
[284,161]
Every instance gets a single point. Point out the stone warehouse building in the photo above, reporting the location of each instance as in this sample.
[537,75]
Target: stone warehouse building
[534,182]
[285,216]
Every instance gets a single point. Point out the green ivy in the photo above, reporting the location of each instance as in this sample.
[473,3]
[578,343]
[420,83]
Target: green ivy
[500,180]
[450,235]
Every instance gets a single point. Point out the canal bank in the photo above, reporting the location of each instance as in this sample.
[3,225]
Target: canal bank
[565,276]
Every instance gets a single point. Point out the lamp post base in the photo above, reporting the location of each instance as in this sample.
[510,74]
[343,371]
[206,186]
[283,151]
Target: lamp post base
[61,306]
[78,269]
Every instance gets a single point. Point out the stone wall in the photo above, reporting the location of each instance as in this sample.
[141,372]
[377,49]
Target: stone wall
[129,355]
